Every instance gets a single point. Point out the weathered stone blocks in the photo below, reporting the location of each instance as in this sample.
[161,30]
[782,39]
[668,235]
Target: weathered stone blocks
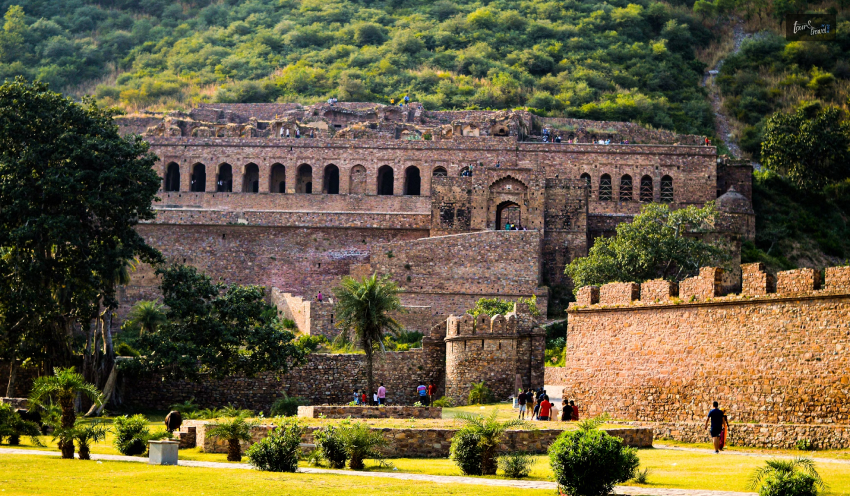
[588,295]
[619,293]
[659,290]
[756,282]
[837,279]
[797,281]
[706,285]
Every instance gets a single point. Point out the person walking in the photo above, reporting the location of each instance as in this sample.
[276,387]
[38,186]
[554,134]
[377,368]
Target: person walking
[319,297]
[432,391]
[356,397]
[545,408]
[364,399]
[374,398]
[574,412]
[537,399]
[423,393]
[715,418]
[382,394]
[521,400]
[567,412]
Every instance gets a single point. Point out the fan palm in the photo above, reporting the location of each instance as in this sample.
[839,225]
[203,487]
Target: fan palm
[233,430]
[148,316]
[778,469]
[87,433]
[363,308]
[479,393]
[64,385]
[489,432]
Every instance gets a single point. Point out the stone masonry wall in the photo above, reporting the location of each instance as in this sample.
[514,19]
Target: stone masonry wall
[769,359]
[797,281]
[427,443]
[619,293]
[706,285]
[658,290]
[387,412]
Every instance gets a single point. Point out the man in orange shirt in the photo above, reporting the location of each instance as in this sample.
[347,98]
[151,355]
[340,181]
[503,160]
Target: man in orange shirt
[432,390]
[545,409]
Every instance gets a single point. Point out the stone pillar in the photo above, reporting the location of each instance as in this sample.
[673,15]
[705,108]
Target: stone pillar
[588,295]
[291,175]
[212,177]
[426,175]
[185,178]
[318,180]
[371,179]
[398,181]
[163,452]
[345,179]
[265,177]
[837,279]
[238,174]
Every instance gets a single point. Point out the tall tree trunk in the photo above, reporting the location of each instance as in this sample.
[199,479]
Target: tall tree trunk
[234,451]
[370,385]
[13,371]
[69,418]
[108,389]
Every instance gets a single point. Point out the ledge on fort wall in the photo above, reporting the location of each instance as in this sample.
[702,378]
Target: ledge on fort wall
[705,289]
[376,412]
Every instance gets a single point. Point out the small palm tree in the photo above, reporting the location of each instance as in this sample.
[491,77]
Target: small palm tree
[478,394]
[87,433]
[64,385]
[781,472]
[489,432]
[148,316]
[361,442]
[234,429]
[363,308]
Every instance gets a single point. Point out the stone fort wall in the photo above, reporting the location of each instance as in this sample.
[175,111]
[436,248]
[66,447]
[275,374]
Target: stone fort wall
[641,352]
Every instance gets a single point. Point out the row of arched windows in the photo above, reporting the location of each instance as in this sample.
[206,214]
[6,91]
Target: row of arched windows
[646,190]
[303,179]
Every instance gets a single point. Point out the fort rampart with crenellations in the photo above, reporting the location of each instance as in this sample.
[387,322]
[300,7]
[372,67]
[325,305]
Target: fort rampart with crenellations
[778,352]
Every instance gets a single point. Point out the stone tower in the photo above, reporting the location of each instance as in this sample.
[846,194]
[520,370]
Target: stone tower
[494,350]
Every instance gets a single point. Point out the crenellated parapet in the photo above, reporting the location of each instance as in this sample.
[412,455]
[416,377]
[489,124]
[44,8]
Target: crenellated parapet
[706,287]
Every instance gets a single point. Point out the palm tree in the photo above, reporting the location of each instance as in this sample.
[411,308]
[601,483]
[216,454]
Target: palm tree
[479,393]
[64,385]
[233,430]
[148,316]
[363,308]
[87,433]
[777,472]
[489,432]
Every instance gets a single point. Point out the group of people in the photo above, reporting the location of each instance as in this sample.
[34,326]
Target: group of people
[427,393]
[284,132]
[514,227]
[550,137]
[719,427]
[378,397]
[405,100]
[536,405]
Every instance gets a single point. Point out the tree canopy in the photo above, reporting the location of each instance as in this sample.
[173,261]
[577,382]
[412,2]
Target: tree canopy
[810,146]
[658,243]
[72,191]
[214,328]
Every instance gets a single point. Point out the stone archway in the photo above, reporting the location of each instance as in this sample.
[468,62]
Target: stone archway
[505,193]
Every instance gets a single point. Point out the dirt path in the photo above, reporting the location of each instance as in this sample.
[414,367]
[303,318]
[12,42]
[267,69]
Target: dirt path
[722,127]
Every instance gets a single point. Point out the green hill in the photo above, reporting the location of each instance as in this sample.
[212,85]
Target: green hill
[616,60]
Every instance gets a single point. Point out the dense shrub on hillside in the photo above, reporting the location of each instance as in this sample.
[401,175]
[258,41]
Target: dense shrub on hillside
[615,60]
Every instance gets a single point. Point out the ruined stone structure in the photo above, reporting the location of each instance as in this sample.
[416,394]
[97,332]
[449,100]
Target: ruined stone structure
[418,194]
[777,353]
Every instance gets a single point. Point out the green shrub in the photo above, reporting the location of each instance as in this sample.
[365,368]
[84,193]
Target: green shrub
[331,446]
[310,343]
[793,484]
[86,433]
[279,451]
[516,465]
[444,402]
[805,445]
[642,476]
[288,324]
[287,406]
[466,452]
[131,434]
[187,408]
[124,349]
[360,443]
[589,462]
[12,426]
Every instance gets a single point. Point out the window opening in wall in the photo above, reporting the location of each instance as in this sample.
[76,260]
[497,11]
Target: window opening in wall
[586,178]
[277,179]
[385,180]
[440,172]
[172,177]
[198,181]
[667,189]
[412,181]
[646,189]
[605,188]
[304,179]
[251,179]
[508,215]
[626,188]
[331,185]
[225,179]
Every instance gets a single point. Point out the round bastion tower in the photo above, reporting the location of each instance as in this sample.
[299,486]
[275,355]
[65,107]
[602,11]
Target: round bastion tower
[503,351]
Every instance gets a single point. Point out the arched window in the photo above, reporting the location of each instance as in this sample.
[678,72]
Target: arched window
[331,181]
[667,189]
[198,181]
[466,172]
[440,172]
[646,189]
[586,178]
[385,180]
[605,188]
[626,188]
[508,213]
[224,183]
[357,180]
[251,179]
[304,179]
[412,181]
[172,177]
[277,179]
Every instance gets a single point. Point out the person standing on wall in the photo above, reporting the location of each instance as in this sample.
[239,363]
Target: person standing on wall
[382,394]
[423,393]
[432,391]
[715,417]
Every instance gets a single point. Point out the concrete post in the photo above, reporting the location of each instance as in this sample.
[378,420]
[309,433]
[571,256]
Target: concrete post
[163,452]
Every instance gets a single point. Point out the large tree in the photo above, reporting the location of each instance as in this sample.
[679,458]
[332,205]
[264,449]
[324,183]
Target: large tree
[658,243]
[71,191]
[216,329]
[810,146]
[363,309]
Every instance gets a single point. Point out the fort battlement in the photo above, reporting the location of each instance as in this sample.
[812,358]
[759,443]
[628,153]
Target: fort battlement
[656,352]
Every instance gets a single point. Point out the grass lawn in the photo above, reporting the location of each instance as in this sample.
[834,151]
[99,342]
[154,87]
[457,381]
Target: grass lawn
[28,475]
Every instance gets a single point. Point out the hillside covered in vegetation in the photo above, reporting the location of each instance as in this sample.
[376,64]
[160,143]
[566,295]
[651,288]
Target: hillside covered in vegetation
[625,60]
